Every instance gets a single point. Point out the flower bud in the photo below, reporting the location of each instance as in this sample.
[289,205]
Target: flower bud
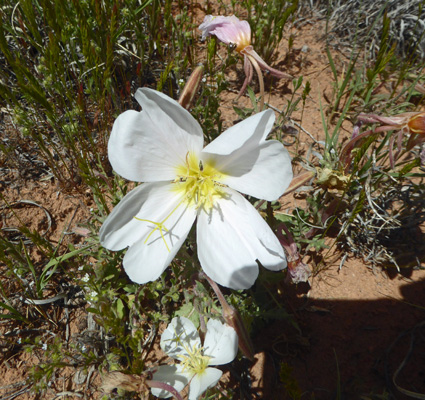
[234,319]
[416,123]
[191,87]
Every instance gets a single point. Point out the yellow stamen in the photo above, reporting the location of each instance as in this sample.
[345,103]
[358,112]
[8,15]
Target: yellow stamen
[197,183]
[194,362]
[160,226]
[197,180]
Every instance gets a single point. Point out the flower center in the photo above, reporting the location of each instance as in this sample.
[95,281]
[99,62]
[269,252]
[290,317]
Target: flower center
[194,361]
[242,41]
[197,180]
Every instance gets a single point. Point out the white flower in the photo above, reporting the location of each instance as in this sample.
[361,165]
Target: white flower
[92,296]
[85,278]
[163,146]
[181,341]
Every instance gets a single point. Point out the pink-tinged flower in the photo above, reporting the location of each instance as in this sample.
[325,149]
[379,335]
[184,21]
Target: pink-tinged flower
[410,123]
[229,30]
[234,32]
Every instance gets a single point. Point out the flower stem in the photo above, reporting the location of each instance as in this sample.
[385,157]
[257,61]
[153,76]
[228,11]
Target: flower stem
[233,319]
[260,80]
[164,386]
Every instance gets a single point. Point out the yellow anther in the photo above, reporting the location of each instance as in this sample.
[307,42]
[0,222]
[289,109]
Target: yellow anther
[198,182]
[194,361]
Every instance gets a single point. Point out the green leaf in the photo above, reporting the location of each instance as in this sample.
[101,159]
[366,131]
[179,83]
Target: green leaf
[120,309]
[187,310]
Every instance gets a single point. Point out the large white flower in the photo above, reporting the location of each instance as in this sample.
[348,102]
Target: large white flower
[181,341]
[163,146]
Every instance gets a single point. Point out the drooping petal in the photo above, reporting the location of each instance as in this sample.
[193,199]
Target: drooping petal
[149,145]
[180,337]
[221,343]
[174,376]
[249,73]
[201,382]
[230,240]
[264,66]
[248,162]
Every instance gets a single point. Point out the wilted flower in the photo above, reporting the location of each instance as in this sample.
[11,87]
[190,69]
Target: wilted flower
[411,123]
[118,380]
[181,341]
[236,33]
[297,270]
[162,146]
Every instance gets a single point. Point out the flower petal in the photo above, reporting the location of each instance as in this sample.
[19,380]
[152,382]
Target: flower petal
[232,238]
[242,136]
[146,261]
[221,343]
[248,162]
[121,229]
[264,172]
[228,29]
[151,201]
[150,252]
[201,382]
[179,336]
[149,145]
[172,375]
